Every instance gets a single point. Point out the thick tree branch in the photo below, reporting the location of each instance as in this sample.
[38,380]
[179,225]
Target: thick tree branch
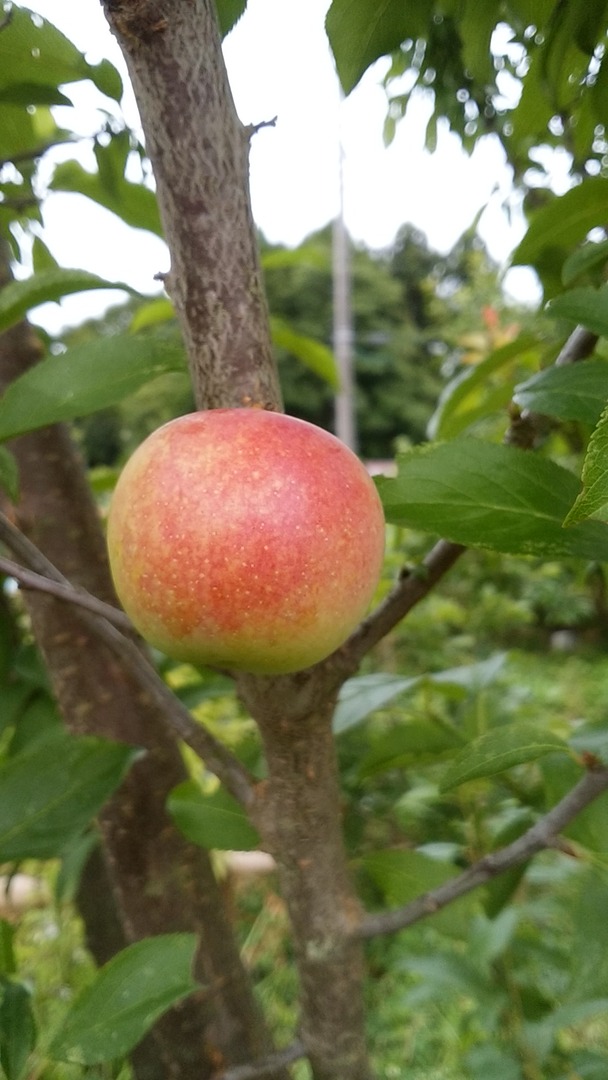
[216,756]
[544,834]
[200,155]
[28,579]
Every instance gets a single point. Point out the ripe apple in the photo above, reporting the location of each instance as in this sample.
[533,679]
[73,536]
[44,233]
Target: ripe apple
[245,539]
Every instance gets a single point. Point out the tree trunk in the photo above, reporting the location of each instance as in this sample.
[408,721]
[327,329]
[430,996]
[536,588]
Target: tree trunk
[199,153]
[299,817]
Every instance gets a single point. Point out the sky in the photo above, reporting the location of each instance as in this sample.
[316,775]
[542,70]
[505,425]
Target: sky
[280,65]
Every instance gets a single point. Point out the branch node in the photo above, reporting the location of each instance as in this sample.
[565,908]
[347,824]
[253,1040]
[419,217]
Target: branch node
[252,129]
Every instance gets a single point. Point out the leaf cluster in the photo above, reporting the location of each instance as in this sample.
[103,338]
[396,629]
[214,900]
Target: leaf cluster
[530,74]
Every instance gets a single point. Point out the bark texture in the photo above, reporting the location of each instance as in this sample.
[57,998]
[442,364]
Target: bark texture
[160,883]
[299,816]
[200,154]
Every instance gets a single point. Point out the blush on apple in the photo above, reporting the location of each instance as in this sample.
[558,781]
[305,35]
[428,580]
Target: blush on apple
[246,539]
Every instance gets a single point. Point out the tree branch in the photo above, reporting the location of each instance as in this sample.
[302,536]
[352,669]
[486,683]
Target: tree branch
[544,834]
[199,152]
[411,587]
[414,585]
[28,579]
[259,1069]
[216,756]
[579,346]
[527,427]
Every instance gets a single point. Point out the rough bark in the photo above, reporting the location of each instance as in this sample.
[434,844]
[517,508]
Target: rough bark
[299,816]
[160,882]
[199,150]
[200,154]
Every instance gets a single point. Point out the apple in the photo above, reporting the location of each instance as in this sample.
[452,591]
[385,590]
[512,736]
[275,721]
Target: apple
[245,539]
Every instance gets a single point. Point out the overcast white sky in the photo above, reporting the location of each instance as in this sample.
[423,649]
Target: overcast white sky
[280,65]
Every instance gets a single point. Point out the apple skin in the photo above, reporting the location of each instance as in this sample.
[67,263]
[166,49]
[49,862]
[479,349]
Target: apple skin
[245,539]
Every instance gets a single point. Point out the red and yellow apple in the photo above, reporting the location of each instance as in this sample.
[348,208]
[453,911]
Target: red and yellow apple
[245,539]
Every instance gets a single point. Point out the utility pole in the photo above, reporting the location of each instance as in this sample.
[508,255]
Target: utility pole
[344,409]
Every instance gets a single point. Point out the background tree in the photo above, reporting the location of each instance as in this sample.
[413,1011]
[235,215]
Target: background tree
[467,797]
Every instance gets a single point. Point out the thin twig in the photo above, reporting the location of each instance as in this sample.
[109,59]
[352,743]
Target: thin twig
[253,129]
[544,834]
[216,756]
[28,579]
[268,1065]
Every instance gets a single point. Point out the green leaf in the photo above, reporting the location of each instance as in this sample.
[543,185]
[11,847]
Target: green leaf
[312,353]
[211,821]
[499,750]
[360,31]
[31,93]
[364,694]
[18,297]
[85,379]
[41,257]
[9,474]
[107,79]
[404,875]
[471,678]
[589,828]
[38,718]
[50,791]
[572,392]
[486,1060]
[228,13]
[156,311]
[592,501]
[127,996]
[490,496]
[563,223]
[586,306]
[35,50]
[460,400]
[407,743]
[16,131]
[17,1028]
[590,256]
[589,976]
[476,26]
[134,203]
[591,739]
[8,962]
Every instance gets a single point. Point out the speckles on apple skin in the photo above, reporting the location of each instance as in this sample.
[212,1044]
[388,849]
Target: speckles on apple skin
[245,538]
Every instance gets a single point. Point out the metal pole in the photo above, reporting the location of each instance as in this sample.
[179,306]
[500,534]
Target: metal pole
[344,408]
